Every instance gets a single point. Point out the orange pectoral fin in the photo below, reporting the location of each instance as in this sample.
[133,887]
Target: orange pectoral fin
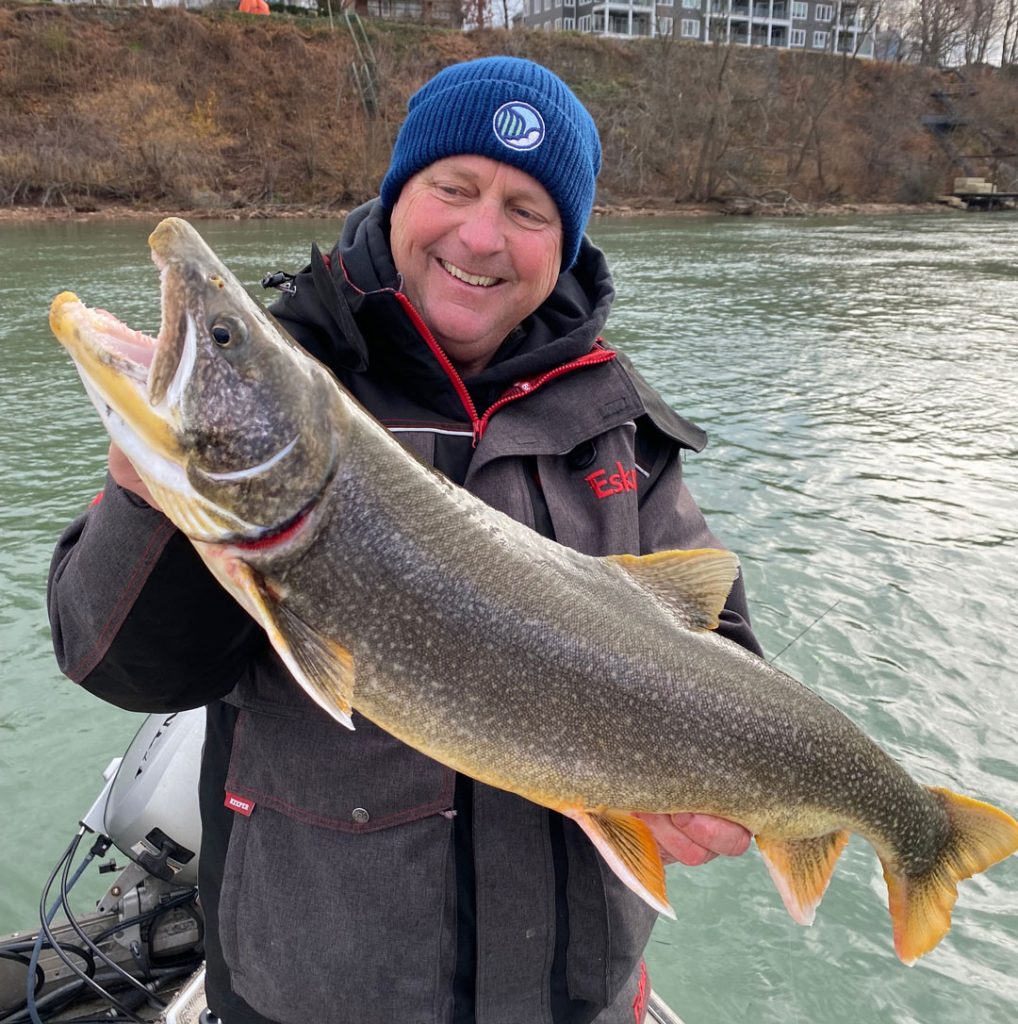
[801,870]
[323,668]
[629,849]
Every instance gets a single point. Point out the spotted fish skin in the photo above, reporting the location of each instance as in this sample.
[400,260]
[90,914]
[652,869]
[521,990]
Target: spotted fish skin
[594,687]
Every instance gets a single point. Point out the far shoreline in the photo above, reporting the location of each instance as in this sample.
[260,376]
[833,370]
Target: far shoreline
[736,207]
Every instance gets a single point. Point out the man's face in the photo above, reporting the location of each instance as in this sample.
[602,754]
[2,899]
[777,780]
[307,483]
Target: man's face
[479,245]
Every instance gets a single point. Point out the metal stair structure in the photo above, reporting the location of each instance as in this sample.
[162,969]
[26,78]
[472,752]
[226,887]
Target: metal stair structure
[365,70]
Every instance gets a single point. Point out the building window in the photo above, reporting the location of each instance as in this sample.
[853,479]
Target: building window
[824,12]
[547,6]
[664,26]
[690,28]
[568,24]
[819,40]
[691,5]
[586,22]
[668,3]
[800,12]
[558,24]
[797,37]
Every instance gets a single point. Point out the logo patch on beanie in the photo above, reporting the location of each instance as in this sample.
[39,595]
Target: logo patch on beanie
[518,126]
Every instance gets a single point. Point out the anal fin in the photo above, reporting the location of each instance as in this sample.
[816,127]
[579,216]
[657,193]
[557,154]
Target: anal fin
[630,851]
[801,870]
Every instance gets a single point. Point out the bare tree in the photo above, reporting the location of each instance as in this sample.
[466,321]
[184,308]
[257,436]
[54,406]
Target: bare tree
[937,27]
[980,29]
[1009,33]
[504,12]
[715,135]
[476,13]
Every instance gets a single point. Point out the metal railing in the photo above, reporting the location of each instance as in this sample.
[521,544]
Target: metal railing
[364,68]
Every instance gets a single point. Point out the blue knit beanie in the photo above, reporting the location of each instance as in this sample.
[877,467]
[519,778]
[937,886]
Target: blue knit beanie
[511,110]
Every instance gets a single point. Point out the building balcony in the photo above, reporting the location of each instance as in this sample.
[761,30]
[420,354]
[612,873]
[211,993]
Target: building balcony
[761,10]
[735,8]
[620,6]
[624,19]
[772,12]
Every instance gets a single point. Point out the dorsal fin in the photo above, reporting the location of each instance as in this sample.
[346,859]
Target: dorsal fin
[694,585]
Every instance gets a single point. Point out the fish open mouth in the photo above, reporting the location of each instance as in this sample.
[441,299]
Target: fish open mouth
[109,339]
[219,479]
[134,348]
[131,351]
[101,341]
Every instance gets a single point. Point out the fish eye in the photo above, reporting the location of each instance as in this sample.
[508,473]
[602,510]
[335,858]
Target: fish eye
[227,332]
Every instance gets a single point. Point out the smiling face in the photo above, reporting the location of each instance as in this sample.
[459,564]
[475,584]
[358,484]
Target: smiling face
[479,246]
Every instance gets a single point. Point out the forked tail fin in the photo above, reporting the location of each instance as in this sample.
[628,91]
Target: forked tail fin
[921,906]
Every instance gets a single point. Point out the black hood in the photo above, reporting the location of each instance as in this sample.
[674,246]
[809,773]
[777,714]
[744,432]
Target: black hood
[361,273]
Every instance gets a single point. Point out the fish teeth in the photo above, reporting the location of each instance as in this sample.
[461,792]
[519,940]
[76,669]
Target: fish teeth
[462,275]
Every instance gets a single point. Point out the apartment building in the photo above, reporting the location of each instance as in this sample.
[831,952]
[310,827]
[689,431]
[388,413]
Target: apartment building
[833,27]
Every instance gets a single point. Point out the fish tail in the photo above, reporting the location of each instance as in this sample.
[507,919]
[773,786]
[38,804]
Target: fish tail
[920,906]
[801,869]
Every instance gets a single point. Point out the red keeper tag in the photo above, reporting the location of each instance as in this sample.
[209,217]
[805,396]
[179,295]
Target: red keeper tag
[640,1001]
[239,804]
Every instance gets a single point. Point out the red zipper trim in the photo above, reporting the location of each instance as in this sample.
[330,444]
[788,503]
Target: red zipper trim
[445,362]
[425,332]
[523,388]
[520,389]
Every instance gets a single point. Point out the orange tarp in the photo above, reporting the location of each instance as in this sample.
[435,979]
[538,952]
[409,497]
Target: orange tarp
[253,7]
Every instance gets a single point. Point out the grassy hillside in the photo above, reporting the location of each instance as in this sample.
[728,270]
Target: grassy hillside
[185,109]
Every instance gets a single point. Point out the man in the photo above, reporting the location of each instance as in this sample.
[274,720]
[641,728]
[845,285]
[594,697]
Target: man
[361,881]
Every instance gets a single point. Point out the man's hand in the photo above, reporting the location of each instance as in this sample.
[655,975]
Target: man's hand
[693,839]
[127,476]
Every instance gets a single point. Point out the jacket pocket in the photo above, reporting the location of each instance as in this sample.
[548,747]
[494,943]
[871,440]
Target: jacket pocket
[338,894]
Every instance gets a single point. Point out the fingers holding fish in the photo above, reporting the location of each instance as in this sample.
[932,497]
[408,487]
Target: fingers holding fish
[695,839]
[127,476]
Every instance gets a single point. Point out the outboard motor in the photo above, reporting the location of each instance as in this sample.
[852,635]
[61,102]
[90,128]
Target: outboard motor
[151,812]
[146,935]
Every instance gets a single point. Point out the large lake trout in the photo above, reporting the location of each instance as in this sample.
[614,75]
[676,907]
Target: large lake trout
[588,685]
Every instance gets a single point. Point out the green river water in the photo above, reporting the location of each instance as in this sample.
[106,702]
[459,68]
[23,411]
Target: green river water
[859,380]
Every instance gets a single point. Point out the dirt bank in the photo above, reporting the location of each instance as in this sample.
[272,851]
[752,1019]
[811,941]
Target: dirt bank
[134,112]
